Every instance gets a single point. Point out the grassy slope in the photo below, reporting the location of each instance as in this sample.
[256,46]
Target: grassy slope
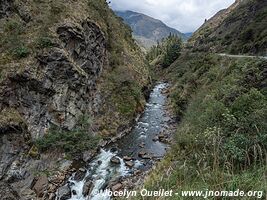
[125,74]
[221,141]
[241,31]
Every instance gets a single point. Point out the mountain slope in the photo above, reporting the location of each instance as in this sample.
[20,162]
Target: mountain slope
[221,103]
[239,29]
[147,30]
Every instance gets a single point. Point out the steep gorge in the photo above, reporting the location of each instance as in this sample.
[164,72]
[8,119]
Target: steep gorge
[71,72]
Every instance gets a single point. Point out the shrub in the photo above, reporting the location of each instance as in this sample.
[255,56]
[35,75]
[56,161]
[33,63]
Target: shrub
[21,52]
[44,42]
[72,142]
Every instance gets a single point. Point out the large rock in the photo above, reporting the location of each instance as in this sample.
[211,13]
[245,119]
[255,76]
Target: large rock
[115,160]
[41,186]
[10,146]
[64,192]
[127,158]
[80,174]
[129,164]
[87,188]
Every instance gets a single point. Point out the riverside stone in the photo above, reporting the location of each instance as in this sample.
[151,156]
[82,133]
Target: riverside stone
[115,160]
[129,164]
[127,158]
[116,187]
[41,186]
[64,192]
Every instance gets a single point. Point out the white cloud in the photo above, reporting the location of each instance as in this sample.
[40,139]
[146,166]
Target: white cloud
[184,15]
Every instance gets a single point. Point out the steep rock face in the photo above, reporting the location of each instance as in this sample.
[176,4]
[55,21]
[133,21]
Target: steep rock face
[59,87]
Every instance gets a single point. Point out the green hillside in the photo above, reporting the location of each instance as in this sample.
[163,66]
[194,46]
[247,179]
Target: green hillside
[221,105]
[240,29]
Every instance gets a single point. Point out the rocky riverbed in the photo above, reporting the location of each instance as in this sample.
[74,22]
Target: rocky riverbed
[123,163]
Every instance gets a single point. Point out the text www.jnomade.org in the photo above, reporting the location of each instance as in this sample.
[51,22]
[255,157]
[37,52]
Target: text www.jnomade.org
[169,193]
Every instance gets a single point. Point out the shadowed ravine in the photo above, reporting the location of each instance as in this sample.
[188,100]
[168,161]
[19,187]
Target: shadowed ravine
[138,150]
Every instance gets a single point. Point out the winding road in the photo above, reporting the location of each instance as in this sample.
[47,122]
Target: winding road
[241,56]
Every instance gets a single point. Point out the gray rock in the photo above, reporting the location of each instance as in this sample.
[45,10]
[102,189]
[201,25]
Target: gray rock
[60,86]
[87,188]
[64,192]
[6,8]
[115,160]
[80,174]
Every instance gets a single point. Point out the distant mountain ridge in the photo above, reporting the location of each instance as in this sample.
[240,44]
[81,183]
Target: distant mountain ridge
[147,30]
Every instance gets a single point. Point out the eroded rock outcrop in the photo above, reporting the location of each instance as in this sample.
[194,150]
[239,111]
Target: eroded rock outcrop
[59,87]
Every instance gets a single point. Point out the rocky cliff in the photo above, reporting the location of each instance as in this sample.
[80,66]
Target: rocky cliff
[60,61]
[60,84]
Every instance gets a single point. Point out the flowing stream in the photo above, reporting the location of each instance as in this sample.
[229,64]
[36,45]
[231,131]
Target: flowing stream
[135,151]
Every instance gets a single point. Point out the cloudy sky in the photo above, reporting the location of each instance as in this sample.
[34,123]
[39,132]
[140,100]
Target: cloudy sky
[184,15]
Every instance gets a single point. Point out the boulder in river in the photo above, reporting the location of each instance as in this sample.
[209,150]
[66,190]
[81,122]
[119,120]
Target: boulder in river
[155,139]
[115,160]
[64,192]
[80,174]
[141,154]
[129,164]
[127,158]
[87,188]
[142,145]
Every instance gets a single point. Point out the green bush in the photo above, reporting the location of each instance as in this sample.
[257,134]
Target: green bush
[44,42]
[21,52]
[71,142]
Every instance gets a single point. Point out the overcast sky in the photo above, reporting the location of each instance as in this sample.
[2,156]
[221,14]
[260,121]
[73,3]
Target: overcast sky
[184,15]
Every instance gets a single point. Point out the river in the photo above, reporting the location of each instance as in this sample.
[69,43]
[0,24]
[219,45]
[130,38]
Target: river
[138,150]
